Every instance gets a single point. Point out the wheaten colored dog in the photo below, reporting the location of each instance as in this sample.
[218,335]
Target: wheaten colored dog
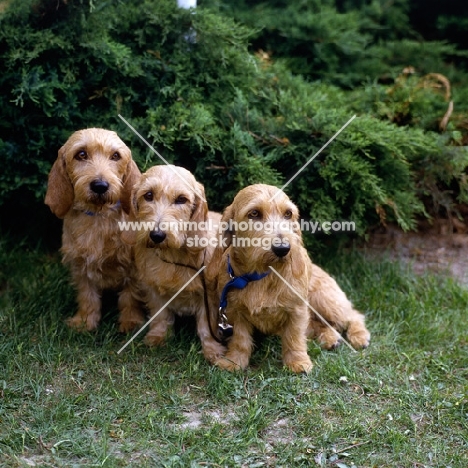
[89,187]
[172,203]
[268,304]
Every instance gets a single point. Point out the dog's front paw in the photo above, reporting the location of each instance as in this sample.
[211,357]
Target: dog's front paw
[127,326]
[155,340]
[81,322]
[232,362]
[213,351]
[299,365]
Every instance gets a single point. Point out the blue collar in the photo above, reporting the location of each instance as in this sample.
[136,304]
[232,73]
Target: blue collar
[92,213]
[237,282]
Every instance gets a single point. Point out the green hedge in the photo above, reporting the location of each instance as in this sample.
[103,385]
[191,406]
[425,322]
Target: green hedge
[188,83]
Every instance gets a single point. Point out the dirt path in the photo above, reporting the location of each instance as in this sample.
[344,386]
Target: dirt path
[442,248]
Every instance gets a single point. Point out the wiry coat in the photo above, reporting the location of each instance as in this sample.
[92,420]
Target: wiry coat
[282,302]
[168,257]
[89,187]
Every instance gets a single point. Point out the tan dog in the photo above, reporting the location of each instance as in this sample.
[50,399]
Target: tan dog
[89,187]
[268,304]
[166,253]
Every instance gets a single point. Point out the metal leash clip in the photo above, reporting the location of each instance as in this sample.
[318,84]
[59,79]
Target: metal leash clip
[224,328]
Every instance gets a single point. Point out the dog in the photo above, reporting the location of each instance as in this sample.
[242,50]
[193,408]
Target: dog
[179,239]
[275,300]
[89,186]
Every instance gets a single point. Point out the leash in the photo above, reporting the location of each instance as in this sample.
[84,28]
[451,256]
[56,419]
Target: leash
[236,282]
[222,324]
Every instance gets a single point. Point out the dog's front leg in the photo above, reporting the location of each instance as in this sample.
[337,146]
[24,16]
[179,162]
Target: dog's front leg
[159,326]
[212,350]
[131,315]
[294,342]
[89,306]
[240,346]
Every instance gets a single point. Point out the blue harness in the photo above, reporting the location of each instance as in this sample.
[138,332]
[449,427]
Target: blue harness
[236,282]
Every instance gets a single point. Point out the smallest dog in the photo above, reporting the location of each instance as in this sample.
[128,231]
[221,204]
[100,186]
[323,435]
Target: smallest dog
[89,187]
[268,303]
[177,242]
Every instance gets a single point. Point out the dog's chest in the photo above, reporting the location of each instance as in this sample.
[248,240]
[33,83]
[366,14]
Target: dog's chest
[169,279]
[173,282]
[95,242]
[267,293]
[267,306]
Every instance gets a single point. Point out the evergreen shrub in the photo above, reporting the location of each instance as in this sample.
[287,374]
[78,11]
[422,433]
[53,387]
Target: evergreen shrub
[188,83]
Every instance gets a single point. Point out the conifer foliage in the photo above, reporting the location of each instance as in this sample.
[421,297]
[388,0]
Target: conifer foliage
[189,83]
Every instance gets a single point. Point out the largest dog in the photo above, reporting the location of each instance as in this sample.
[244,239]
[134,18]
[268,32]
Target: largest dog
[89,187]
[284,291]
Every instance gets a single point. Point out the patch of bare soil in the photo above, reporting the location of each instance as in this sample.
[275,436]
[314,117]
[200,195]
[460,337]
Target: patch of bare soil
[440,247]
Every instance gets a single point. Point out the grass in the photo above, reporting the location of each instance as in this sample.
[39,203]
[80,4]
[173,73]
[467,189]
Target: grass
[69,399]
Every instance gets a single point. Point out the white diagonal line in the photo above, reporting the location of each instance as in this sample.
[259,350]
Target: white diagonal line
[157,154]
[308,305]
[313,157]
[142,139]
[161,309]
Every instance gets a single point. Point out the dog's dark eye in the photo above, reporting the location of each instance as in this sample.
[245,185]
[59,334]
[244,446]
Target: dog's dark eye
[116,156]
[81,155]
[181,200]
[148,196]
[254,214]
[288,214]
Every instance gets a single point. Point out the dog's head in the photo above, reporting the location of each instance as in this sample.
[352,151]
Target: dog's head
[262,229]
[172,205]
[94,169]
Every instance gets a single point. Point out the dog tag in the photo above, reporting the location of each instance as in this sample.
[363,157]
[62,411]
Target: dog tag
[225,330]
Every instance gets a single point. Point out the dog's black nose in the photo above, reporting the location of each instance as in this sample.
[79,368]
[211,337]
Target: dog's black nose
[99,186]
[281,250]
[157,236]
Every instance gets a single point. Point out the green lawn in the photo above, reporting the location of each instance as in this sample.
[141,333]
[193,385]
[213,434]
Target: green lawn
[69,399]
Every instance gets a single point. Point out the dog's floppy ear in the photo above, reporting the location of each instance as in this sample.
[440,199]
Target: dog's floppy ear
[226,220]
[60,194]
[199,212]
[298,262]
[300,258]
[131,177]
[296,223]
[216,261]
[130,236]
